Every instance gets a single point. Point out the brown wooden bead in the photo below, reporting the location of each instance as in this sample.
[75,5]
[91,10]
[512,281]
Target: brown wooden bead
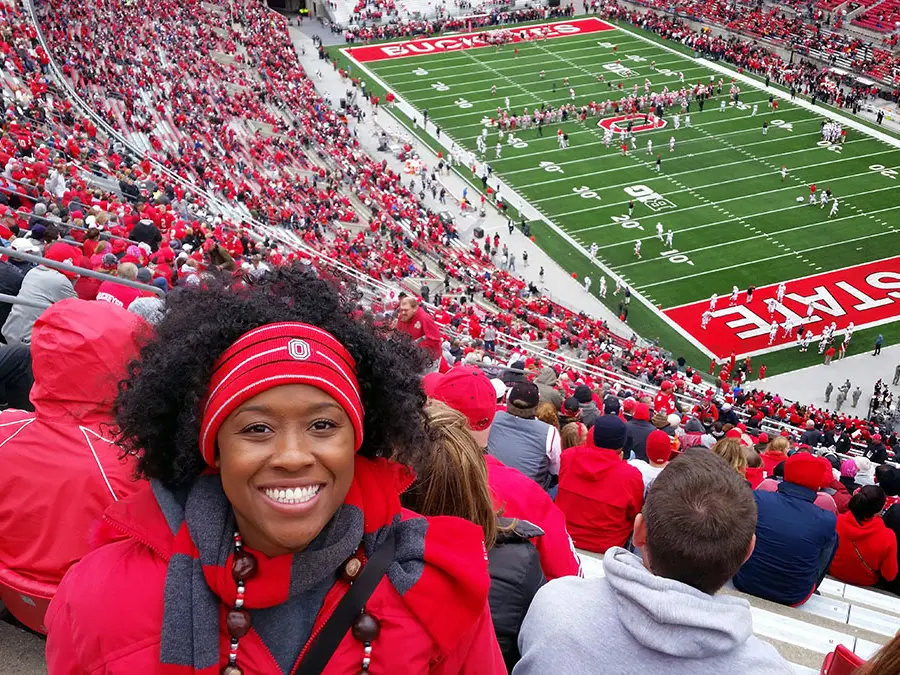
[351,569]
[232,670]
[244,566]
[366,628]
[238,623]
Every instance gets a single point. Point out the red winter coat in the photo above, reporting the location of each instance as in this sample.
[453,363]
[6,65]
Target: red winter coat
[771,459]
[107,616]
[870,541]
[60,470]
[600,494]
[520,497]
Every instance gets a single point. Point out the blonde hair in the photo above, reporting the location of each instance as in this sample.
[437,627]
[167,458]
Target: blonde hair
[778,444]
[573,435]
[731,451]
[546,412]
[452,477]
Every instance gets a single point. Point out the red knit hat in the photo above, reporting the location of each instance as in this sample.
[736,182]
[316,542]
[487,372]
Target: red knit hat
[806,470]
[274,355]
[658,446]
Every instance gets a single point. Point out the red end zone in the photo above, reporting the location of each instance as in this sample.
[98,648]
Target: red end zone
[450,43]
[866,294]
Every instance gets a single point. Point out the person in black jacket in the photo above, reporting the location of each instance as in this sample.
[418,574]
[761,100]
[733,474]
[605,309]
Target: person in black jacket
[451,480]
[876,452]
[637,430]
[146,231]
[10,282]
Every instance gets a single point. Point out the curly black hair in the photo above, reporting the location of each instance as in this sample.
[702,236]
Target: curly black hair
[158,406]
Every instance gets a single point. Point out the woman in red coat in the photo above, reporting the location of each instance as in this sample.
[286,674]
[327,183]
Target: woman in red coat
[867,548]
[260,417]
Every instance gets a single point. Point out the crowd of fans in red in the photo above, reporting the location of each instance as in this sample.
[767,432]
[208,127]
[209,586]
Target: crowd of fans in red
[793,30]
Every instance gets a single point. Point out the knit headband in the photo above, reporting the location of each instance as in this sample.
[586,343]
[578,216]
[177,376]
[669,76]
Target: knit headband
[274,355]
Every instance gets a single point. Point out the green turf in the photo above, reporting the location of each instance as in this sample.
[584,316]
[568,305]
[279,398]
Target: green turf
[734,219]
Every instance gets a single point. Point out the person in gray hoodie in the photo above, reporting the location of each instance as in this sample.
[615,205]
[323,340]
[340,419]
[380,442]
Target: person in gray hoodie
[546,384]
[659,613]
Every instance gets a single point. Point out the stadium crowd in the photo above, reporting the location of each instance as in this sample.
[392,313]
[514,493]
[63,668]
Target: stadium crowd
[213,435]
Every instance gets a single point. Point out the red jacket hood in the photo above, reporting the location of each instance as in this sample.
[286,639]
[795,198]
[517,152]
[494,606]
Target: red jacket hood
[592,462]
[80,350]
[855,530]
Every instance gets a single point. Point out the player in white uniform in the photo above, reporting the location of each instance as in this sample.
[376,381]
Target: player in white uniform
[676,120]
[649,147]
[805,340]
[722,105]
[782,289]
[809,311]
[633,143]
[812,198]
[783,173]
[788,325]
[770,305]
[705,319]
[594,248]
[773,332]
[670,235]
[713,301]
[602,290]
[671,144]
[734,296]
[571,93]
[499,149]
[687,121]
[493,90]
[659,231]
[587,284]
[834,208]
[506,102]
[754,110]
[637,248]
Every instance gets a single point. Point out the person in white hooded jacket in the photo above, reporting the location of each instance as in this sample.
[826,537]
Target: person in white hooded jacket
[659,613]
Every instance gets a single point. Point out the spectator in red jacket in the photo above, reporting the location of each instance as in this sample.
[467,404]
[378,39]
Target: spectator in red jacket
[420,326]
[262,415]
[867,549]
[468,390]
[599,492]
[60,466]
[774,454]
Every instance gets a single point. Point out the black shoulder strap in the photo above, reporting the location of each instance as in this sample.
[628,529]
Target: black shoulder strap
[348,609]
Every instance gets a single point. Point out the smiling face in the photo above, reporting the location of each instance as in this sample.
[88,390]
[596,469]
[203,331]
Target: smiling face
[286,459]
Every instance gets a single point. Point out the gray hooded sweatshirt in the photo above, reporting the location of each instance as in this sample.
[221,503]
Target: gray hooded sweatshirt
[546,383]
[632,622]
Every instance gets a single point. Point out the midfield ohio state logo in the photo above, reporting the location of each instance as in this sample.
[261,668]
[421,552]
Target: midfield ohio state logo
[620,123]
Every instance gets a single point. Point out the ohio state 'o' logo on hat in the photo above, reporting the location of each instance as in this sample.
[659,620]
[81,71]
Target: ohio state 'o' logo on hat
[620,123]
[299,350]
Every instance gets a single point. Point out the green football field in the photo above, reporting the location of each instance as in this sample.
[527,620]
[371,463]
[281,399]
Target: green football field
[733,218]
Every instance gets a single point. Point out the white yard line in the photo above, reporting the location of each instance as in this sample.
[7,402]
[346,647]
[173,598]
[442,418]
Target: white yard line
[670,131]
[629,242]
[762,235]
[722,201]
[841,242]
[597,173]
[706,168]
[766,141]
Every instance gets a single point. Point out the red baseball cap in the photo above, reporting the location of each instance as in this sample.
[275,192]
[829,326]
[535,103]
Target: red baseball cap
[468,390]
